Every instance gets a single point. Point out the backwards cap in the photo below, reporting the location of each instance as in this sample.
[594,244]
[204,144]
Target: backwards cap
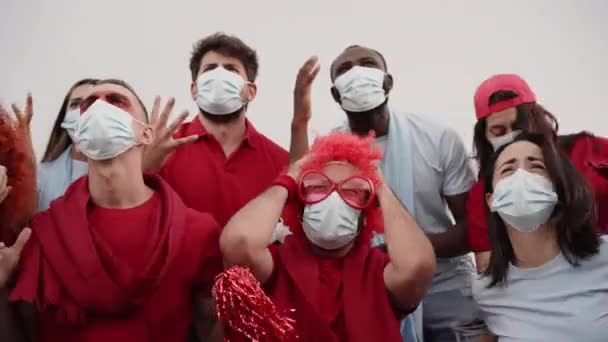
[501,82]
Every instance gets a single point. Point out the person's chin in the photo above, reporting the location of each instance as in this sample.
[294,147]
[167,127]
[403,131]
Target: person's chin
[223,118]
[367,113]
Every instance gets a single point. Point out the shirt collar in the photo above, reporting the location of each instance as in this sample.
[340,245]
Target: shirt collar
[251,138]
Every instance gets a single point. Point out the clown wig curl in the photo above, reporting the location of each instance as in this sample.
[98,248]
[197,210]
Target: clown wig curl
[362,153]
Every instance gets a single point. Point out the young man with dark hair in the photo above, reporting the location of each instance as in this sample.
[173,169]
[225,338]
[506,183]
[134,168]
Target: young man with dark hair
[223,161]
[119,255]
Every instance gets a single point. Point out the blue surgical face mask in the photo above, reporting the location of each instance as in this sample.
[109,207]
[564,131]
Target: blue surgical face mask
[331,223]
[508,138]
[524,200]
[105,131]
[361,89]
[70,122]
[219,91]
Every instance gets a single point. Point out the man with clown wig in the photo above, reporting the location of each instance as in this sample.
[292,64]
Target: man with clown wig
[335,286]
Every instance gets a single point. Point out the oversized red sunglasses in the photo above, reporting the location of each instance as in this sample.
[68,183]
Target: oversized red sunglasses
[356,191]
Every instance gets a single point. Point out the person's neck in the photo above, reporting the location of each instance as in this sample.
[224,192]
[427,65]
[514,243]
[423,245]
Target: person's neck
[229,134]
[118,182]
[536,248]
[337,253]
[376,119]
[76,155]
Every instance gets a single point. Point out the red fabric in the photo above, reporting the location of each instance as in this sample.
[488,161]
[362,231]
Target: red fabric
[88,285]
[588,153]
[334,300]
[208,181]
[504,82]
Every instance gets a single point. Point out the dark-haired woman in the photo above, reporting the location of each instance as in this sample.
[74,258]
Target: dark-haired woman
[62,163]
[505,106]
[547,278]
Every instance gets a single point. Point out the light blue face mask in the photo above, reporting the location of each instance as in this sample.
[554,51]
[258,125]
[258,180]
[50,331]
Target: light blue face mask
[70,122]
[219,91]
[524,200]
[361,89]
[499,142]
[105,131]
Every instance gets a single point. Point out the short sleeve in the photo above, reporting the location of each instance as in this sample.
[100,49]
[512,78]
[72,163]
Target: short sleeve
[477,220]
[458,175]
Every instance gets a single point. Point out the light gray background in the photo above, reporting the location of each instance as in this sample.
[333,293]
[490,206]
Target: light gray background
[438,52]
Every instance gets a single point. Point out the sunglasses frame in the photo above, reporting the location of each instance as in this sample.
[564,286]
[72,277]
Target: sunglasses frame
[336,187]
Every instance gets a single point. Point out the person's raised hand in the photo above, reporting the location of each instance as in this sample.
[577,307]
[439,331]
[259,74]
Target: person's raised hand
[164,143]
[302,104]
[9,256]
[24,116]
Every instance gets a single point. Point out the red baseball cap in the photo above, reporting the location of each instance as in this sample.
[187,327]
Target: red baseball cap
[504,82]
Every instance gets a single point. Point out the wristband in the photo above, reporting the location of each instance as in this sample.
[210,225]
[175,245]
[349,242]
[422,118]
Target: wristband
[288,183]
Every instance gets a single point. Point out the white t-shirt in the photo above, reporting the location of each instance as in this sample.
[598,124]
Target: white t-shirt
[441,168]
[555,302]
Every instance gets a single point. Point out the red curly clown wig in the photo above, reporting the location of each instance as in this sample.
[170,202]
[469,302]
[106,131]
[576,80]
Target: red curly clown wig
[16,155]
[362,153]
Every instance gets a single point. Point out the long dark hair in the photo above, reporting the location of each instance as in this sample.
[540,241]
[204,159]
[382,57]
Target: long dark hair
[59,140]
[573,217]
[531,117]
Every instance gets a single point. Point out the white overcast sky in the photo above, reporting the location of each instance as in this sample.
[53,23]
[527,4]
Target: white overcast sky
[437,51]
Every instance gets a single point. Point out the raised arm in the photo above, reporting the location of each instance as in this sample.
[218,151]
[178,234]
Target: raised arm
[409,273]
[245,238]
[302,109]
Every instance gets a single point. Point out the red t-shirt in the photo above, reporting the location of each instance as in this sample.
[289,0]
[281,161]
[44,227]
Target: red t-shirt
[329,301]
[209,181]
[588,154]
[166,315]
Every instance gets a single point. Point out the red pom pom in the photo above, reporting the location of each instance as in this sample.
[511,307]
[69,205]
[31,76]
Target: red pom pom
[245,311]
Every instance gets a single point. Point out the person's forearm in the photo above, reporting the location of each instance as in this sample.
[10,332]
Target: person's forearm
[299,141]
[452,243]
[10,330]
[250,229]
[408,247]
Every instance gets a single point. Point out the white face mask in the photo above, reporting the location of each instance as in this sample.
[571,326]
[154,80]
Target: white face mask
[361,89]
[70,122]
[499,142]
[524,200]
[219,91]
[105,131]
[331,223]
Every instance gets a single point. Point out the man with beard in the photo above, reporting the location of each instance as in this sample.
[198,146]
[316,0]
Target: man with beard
[222,161]
[425,163]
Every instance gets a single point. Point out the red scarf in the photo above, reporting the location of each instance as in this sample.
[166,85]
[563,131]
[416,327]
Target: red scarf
[67,268]
[368,313]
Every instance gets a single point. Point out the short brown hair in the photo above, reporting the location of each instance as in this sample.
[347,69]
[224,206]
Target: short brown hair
[226,45]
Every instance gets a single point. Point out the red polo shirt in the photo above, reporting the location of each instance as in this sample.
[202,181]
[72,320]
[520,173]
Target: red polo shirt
[208,181]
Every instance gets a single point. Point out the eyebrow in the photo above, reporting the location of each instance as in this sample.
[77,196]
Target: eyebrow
[510,161]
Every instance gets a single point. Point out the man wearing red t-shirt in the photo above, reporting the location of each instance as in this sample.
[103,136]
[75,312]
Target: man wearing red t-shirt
[119,255]
[226,161]
[222,161]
